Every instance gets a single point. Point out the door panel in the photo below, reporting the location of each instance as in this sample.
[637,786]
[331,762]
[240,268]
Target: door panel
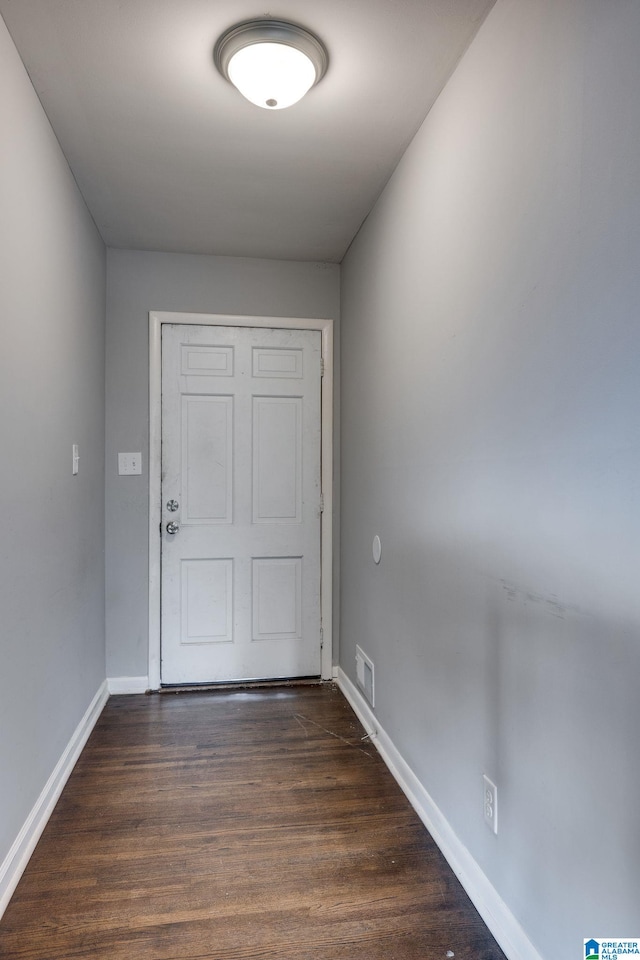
[206,601]
[207,459]
[277,459]
[277,598]
[241,458]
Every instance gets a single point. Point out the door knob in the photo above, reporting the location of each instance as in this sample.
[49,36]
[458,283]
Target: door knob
[172,505]
[172,527]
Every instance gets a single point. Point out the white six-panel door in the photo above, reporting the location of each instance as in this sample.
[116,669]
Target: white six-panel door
[241,448]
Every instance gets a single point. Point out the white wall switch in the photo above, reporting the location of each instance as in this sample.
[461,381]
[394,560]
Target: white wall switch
[76,459]
[129,464]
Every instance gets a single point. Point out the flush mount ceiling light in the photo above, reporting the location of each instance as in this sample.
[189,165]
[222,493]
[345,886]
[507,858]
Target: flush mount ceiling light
[272,63]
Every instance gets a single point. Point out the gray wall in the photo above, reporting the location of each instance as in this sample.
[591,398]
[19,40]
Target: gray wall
[137,283]
[490,396]
[52,296]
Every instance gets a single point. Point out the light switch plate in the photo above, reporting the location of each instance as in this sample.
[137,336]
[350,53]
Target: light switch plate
[129,464]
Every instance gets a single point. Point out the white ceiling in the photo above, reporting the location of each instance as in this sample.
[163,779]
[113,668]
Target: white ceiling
[170,157]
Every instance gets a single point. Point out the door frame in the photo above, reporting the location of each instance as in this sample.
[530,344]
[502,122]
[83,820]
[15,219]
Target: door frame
[156,319]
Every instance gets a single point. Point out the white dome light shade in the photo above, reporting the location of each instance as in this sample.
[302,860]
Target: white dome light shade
[271,75]
[272,63]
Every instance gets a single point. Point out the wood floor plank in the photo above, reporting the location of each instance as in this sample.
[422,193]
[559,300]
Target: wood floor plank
[237,825]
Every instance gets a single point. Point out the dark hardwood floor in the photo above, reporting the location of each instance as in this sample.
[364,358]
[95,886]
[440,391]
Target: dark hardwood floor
[250,825]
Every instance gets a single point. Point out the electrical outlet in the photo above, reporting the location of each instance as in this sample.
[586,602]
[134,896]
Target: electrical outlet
[490,803]
[129,463]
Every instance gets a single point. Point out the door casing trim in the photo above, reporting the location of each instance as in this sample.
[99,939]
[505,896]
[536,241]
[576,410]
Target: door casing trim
[156,319]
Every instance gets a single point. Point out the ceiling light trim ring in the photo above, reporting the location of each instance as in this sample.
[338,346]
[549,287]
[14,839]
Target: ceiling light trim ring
[270,31]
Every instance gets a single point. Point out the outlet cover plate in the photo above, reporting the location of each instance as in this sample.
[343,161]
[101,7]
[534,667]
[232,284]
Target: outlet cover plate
[129,464]
[490,803]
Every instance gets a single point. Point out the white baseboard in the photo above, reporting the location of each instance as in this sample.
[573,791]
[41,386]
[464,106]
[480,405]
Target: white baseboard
[16,860]
[485,898]
[119,685]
